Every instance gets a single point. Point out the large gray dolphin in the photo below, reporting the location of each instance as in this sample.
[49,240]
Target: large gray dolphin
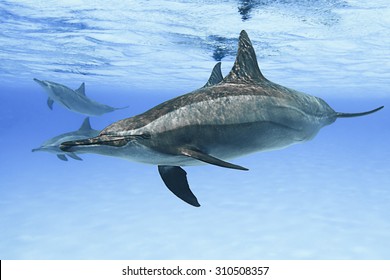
[225,119]
[53,145]
[74,100]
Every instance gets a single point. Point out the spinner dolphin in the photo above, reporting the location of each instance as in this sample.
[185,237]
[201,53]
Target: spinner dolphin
[53,144]
[229,117]
[73,100]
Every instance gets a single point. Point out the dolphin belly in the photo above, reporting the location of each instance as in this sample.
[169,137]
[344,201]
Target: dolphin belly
[231,127]
[225,141]
[222,141]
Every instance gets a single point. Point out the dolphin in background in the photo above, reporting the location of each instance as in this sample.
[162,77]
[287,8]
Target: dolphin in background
[228,118]
[53,145]
[74,100]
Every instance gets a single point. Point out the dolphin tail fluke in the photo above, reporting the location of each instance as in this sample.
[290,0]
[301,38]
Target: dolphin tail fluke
[352,115]
[175,178]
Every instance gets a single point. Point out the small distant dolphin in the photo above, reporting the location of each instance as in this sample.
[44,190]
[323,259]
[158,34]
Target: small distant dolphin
[53,145]
[227,118]
[74,100]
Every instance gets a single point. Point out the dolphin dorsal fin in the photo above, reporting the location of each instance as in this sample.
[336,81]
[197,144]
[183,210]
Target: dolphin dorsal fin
[215,77]
[86,125]
[245,68]
[81,89]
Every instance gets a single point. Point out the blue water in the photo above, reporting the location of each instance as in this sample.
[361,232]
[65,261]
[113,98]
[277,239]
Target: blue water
[325,199]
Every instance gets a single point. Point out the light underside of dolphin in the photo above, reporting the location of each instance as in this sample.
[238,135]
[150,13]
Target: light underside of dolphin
[227,118]
[73,100]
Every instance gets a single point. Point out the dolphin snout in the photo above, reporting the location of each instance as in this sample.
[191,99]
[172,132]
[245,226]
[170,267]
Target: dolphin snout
[68,145]
[41,83]
[103,140]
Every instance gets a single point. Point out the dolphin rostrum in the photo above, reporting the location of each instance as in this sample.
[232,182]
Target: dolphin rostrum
[53,145]
[74,100]
[225,119]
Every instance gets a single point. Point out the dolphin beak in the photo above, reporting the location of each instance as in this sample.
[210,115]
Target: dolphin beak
[41,83]
[67,146]
[106,140]
[35,150]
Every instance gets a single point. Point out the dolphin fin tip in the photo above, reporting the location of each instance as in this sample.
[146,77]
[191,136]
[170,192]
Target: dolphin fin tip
[243,33]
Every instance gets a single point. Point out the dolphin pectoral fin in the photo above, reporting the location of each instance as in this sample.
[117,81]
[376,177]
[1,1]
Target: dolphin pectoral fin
[62,157]
[74,156]
[209,159]
[66,105]
[50,103]
[175,178]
